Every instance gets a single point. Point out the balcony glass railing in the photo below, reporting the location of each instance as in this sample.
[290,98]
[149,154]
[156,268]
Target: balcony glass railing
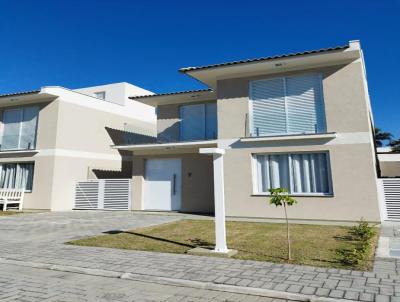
[17,142]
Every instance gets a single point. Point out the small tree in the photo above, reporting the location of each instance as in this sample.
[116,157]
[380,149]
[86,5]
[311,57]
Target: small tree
[381,136]
[280,197]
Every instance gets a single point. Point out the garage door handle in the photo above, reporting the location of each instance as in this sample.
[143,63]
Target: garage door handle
[174,184]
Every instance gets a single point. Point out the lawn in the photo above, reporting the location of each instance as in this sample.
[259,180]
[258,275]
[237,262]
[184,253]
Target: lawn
[314,245]
[8,213]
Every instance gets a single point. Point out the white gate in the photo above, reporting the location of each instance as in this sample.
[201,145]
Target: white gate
[103,194]
[389,194]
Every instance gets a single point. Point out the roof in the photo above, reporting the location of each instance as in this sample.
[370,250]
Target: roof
[19,93]
[187,69]
[169,93]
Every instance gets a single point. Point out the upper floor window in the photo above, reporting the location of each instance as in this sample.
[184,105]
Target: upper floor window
[100,95]
[198,121]
[19,128]
[288,105]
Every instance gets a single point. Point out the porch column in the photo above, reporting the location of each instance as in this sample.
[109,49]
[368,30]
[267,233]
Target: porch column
[219,197]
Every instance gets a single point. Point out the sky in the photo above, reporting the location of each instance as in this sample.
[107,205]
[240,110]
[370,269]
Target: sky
[86,43]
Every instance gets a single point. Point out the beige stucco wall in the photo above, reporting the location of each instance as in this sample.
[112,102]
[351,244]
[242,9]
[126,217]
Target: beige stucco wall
[197,181]
[40,197]
[71,140]
[352,161]
[343,92]
[390,168]
[353,181]
[168,121]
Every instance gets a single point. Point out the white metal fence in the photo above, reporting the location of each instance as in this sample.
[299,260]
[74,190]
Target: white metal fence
[389,195]
[103,194]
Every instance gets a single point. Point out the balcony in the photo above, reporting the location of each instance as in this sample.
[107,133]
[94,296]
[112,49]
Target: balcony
[12,143]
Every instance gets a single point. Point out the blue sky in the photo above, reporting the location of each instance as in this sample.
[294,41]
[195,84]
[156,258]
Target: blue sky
[83,43]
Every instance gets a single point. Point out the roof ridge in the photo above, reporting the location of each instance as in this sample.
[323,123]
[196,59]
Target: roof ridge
[170,93]
[187,69]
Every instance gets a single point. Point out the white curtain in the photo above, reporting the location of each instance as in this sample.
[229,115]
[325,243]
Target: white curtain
[16,176]
[299,173]
[310,173]
[273,172]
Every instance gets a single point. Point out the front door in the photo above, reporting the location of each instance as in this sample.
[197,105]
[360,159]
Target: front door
[162,186]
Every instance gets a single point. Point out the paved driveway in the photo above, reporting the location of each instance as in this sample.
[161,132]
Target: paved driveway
[59,227]
[37,240]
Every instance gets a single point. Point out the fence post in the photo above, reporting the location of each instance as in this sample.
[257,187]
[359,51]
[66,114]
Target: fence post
[381,199]
[100,200]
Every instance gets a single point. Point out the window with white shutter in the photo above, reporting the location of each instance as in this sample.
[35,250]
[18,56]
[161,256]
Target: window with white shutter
[19,128]
[289,105]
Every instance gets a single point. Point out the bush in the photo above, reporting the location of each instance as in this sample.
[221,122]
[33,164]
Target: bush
[363,231]
[362,235]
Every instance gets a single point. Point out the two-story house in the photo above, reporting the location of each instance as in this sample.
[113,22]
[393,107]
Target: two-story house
[54,136]
[301,121]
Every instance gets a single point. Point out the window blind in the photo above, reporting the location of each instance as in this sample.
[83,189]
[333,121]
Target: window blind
[288,105]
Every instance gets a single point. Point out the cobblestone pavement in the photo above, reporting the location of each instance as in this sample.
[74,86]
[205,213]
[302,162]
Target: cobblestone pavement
[39,237]
[31,285]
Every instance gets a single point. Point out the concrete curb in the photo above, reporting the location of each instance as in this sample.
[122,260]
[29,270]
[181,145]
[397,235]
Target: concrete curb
[261,292]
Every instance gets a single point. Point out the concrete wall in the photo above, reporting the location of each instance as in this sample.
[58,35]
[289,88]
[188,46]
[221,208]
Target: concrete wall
[168,122]
[72,139]
[40,197]
[351,156]
[344,98]
[390,168]
[197,181]
[353,181]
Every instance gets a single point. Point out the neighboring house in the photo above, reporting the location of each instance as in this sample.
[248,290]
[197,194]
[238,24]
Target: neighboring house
[300,121]
[53,137]
[389,162]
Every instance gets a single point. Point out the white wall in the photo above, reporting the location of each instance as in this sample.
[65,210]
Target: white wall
[119,93]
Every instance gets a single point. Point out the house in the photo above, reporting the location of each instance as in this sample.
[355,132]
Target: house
[302,121]
[54,136]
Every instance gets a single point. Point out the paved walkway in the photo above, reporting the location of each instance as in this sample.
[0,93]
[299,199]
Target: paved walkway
[38,238]
[29,284]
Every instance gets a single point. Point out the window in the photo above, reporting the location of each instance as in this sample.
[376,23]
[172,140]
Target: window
[289,105]
[19,128]
[16,176]
[300,173]
[100,95]
[198,121]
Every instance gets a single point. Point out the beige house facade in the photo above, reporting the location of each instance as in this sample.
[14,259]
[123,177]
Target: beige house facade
[299,121]
[55,136]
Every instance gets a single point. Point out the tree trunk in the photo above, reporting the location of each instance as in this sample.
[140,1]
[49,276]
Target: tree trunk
[287,233]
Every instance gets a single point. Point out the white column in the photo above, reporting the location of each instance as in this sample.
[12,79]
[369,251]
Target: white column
[219,198]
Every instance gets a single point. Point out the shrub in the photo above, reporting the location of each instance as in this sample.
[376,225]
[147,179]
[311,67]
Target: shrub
[363,231]
[362,234]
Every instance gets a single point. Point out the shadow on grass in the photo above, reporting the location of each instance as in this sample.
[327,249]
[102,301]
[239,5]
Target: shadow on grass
[196,241]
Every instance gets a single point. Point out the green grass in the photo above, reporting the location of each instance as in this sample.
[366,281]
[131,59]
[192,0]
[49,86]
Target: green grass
[314,245]
[9,213]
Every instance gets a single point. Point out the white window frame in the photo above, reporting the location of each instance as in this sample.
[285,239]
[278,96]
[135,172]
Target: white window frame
[255,180]
[21,163]
[21,110]
[284,78]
